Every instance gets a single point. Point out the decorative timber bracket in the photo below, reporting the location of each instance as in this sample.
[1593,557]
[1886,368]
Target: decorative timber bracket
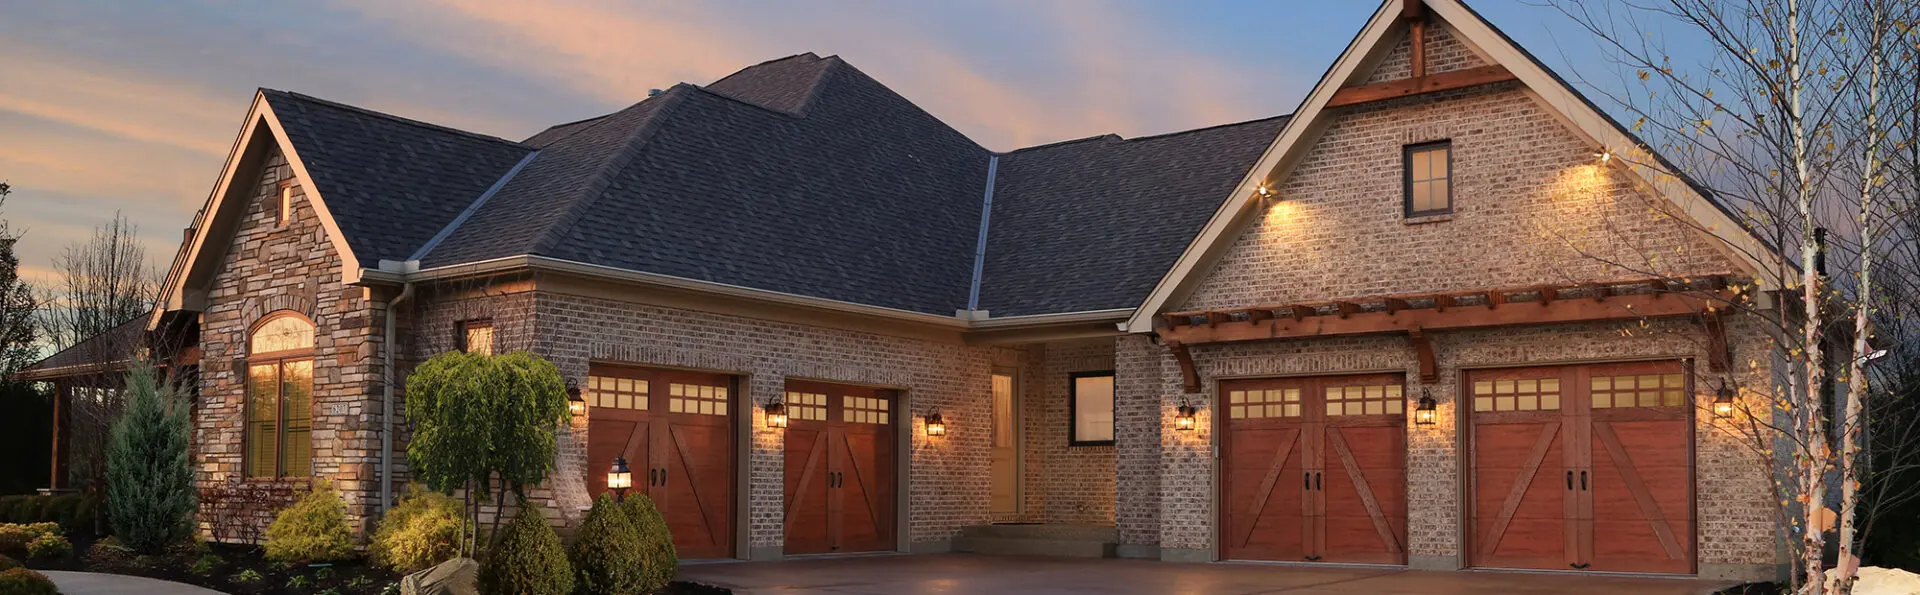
[1415,14]
[1423,351]
[1189,378]
[1718,356]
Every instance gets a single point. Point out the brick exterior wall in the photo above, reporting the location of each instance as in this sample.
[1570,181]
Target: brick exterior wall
[1075,484]
[948,483]
[268,268]
[1140,368]
[1531,206]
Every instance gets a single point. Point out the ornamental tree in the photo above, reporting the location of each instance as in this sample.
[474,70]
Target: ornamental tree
[481,419]
[150,494]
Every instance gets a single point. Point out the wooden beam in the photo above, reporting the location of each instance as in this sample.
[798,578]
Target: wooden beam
[1445,81]
[1177,320]
[1411,9]
[1216,317]
[1417,39]
[1443,301]
[1259,314]
[1548,294]
[1625,307]
[1423,351]
[1396,305]
[1495,298]
[1298,312]
[1189,378]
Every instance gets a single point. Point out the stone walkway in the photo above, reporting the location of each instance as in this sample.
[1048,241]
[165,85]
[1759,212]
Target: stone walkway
[995,575]
[92,583]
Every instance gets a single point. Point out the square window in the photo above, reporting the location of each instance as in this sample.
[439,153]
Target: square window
[1237,411]
[1395,406]
[1550,402]
[1334,409]
[1483,403]
[1293,395]
[1428,179]
[1292,409]
[1237,397]
[1482,387]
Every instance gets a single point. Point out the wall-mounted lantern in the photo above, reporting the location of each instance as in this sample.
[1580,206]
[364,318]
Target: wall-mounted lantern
[575,403]
[935,425]
[776,414]
[1423,414]
[1184,420]
[1723,402]
[619,479]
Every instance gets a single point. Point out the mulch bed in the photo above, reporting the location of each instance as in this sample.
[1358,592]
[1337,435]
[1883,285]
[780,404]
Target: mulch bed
[244,570]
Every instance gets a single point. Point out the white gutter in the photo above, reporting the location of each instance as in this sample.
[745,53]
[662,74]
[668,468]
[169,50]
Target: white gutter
[1114,315]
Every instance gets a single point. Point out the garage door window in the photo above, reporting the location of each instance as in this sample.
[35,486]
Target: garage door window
[1092,404]
[1527,394]
[1643,390]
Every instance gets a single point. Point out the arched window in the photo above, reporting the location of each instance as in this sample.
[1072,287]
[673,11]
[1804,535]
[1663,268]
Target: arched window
[280,397]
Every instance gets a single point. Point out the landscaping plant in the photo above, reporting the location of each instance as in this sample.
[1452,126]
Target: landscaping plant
[526,559]
[22,581]
[481,419]
[50,545]
[7,563]
[421,530]
[608,555]
[313,529]
[658,557]
[150,493]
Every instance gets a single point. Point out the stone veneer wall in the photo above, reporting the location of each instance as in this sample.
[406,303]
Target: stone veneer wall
[267,268]
[948,483]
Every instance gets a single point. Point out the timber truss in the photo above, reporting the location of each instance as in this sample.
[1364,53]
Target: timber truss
[1416,316]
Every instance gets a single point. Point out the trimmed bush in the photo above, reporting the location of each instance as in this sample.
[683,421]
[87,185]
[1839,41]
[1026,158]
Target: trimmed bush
[421,530]
[661,561]
[607,555]
[150,493]
[50,545]
[22,581]
[109,553]
[526,559]
[7,563]
[14,538]
[313,529]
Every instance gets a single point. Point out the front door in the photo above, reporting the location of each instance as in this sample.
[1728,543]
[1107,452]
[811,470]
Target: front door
[840,471]
[1004,502]
[1583,467]
[675,429]
[1315,469]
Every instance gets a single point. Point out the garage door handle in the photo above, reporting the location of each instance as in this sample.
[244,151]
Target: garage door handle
[663,477]
[1569,480]
[1316,481]
[1306,480]
[653,477]
[1583,481]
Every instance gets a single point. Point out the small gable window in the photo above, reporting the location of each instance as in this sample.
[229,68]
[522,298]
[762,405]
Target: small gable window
[1429,183]
[283,211]
[476,336]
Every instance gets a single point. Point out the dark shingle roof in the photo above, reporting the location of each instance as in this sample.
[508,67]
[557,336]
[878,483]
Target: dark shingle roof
[391,183]
[108,351]
[800,175]
[1093,224]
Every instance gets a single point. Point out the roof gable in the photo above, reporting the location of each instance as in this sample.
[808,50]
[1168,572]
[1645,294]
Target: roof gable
[1367,52]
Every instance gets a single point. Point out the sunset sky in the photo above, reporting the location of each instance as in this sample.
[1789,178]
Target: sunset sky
[133,106]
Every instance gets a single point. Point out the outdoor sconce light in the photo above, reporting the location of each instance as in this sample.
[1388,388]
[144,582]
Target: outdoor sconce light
[1423,414]
[619,478]
[935,425]
[1604,156]
[575,404]
[1184,420]
[1723,402]
[776,414]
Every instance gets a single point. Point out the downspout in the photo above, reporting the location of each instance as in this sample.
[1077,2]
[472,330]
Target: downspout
[386,397]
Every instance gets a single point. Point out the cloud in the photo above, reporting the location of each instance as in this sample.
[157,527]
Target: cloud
[84,93]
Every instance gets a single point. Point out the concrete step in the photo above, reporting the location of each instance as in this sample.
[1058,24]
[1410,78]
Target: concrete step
[1063,532]
[1016,546]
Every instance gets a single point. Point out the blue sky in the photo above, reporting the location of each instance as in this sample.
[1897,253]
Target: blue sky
[132,107]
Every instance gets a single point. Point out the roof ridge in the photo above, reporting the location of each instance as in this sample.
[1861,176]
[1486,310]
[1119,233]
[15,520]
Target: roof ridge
[910,102]
[579,121]
[601,177]
[809,55]
[819,82]
[399,119]
[718,95]
[1105,136]
[1206,128]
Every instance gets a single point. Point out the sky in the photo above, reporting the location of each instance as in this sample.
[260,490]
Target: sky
[132,107]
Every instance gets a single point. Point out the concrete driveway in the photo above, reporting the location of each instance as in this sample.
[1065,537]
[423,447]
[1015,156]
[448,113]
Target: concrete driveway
[997,575]
[89,583]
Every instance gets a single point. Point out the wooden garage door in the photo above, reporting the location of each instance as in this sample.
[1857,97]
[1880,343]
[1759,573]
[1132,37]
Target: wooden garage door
[1315,469]
[1582,467]
[839,468]
[675,429]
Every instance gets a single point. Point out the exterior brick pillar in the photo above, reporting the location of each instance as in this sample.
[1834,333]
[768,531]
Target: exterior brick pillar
[1137,426]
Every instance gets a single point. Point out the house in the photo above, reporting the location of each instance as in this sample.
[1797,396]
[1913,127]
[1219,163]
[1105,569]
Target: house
[1428,319]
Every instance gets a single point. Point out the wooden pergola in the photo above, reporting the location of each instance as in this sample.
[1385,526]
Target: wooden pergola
[1418,315]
